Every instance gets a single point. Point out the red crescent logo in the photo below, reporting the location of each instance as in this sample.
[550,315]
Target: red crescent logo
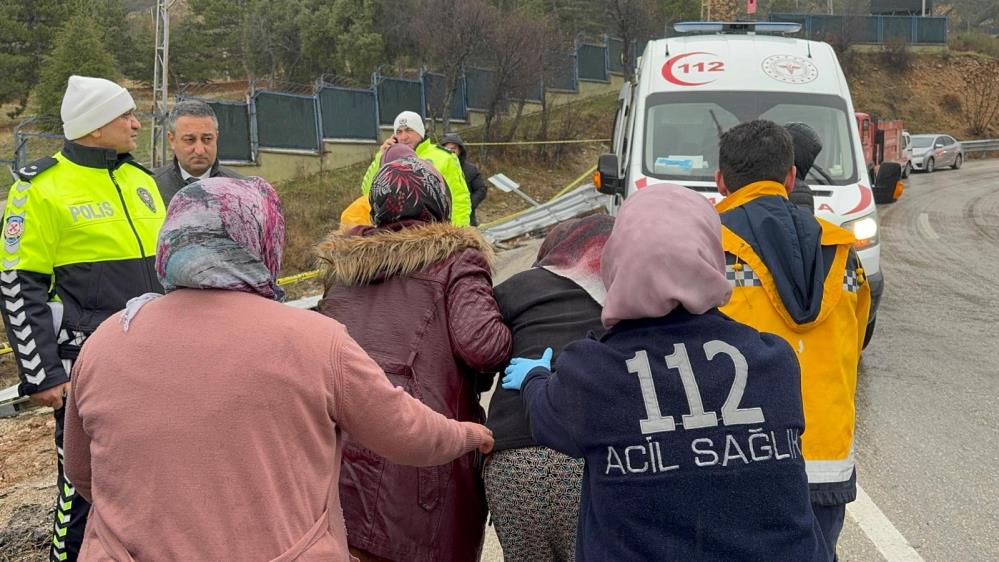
[866,196]
[668,70]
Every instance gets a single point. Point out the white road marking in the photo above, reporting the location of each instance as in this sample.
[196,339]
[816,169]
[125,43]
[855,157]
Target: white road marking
[923,225]
[889,542]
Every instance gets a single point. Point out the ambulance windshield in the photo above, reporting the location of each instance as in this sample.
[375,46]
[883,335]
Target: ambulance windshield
[682,130]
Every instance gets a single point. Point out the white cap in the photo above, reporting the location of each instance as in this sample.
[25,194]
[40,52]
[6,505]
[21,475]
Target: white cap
[412,120]
[91,103]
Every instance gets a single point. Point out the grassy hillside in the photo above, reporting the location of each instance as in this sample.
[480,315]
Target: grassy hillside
[313,203]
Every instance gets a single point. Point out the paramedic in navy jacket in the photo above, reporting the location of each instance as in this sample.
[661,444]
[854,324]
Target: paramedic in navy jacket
[689,423]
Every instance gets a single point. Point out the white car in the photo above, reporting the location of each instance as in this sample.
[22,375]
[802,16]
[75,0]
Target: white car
[906,154]
[933,151]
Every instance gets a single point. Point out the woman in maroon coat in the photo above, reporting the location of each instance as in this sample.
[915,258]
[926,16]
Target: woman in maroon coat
[416,294]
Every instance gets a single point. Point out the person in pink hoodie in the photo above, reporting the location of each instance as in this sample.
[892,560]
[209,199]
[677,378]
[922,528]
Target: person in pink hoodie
[205,424]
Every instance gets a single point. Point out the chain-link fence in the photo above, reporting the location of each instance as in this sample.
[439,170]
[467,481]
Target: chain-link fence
[37,137]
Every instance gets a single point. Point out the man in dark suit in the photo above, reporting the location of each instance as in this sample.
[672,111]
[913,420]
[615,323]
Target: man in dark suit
[193,133]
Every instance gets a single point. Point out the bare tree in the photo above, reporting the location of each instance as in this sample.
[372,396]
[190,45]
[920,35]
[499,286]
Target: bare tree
[449,34]
[516,62]
[982,97]
[630,20]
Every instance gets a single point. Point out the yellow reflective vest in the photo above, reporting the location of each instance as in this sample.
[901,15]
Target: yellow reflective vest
[825,324]
[80,231]
[448,165]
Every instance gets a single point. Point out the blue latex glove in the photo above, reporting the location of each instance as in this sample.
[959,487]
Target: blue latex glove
[518,368]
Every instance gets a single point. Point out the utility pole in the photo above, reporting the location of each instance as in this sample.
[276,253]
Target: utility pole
[161,81]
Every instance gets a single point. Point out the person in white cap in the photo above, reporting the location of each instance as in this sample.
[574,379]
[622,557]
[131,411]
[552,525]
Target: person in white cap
[79,240]
[409,130]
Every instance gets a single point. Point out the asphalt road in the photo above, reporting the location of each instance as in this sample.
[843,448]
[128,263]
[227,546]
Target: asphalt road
[927,399]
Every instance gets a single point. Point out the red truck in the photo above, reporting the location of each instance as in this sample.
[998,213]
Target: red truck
[883,141]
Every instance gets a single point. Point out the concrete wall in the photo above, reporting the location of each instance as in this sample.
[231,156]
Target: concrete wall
[281,165]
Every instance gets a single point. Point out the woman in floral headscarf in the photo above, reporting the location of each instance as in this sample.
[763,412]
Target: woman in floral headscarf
[202,425]
[416,293]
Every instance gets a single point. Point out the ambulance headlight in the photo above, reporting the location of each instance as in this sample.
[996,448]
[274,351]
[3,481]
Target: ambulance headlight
[865,230]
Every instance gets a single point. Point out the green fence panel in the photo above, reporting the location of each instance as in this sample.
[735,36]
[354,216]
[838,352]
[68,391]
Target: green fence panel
[592,62]
[348,113]
[896,28]
[931,30]
[534,91]
[234,131]
[479,87]
[287,121]
[396,95]
[615,54]
[870,29]
[434,85]
[859,29]
[563,72]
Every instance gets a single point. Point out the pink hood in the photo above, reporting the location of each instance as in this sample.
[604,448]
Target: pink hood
[665,250]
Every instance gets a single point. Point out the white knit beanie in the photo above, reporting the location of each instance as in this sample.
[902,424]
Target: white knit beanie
[412,120]
[91,103]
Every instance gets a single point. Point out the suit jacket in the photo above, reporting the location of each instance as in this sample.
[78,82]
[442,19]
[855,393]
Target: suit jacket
[170,181]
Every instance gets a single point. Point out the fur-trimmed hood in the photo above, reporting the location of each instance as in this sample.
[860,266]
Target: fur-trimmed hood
[352,259]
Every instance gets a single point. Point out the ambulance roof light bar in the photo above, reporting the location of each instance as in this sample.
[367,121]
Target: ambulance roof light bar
[737,27]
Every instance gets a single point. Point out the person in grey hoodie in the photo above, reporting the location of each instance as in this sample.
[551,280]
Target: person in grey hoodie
[476,185]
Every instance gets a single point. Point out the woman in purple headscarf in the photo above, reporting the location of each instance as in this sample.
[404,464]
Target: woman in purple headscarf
[416,293]
[204,424]
[689,423]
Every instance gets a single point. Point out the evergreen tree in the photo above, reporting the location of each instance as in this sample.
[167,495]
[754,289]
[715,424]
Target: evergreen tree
[134,58]
[26,32]
[77,48]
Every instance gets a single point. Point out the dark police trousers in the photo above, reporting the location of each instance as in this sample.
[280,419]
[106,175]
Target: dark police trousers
[71,509]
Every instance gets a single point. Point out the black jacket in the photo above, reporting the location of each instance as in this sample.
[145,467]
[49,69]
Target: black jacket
[473,178]
[170,181]
[807,146]
[802,195]
[542,310]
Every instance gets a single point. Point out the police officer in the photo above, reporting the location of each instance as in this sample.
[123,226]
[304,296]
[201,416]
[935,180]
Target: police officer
[410,130]
[79,240]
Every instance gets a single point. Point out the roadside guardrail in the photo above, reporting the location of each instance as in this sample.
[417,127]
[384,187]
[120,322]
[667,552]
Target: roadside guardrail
[988,145]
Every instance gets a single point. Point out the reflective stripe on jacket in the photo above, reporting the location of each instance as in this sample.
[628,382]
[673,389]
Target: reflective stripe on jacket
[799,277]
[80,230]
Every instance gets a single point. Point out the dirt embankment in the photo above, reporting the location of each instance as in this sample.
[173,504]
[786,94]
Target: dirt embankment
[930,95]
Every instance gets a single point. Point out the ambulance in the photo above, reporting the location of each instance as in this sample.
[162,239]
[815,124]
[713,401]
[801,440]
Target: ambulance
[691,88]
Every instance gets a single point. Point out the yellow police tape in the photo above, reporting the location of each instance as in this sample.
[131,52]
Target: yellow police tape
[508,143]
[292,279]
[5,348]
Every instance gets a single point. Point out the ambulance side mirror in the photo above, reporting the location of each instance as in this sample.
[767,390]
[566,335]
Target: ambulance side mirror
[608,178]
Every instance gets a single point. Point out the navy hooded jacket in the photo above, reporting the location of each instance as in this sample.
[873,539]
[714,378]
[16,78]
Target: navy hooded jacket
[690,427]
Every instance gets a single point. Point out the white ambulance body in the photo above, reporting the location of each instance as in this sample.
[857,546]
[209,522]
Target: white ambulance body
[689,89]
